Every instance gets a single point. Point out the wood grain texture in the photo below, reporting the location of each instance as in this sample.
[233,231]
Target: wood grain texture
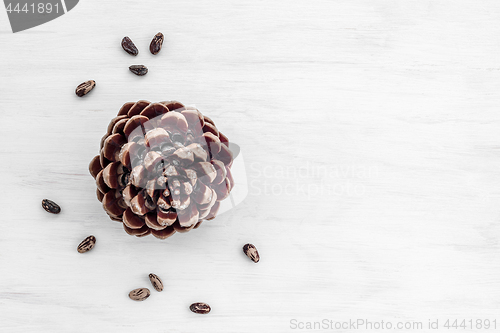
[370,132]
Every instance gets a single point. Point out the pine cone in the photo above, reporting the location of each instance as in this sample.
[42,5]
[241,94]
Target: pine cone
[163,167]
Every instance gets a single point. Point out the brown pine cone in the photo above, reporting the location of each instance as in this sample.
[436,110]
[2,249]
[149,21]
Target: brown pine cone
[163,167]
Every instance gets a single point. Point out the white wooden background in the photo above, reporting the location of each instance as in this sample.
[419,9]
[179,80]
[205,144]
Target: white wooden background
[370,132]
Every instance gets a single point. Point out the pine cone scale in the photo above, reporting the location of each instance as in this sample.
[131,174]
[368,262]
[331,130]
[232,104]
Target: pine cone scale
[164,233]
[131,220]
